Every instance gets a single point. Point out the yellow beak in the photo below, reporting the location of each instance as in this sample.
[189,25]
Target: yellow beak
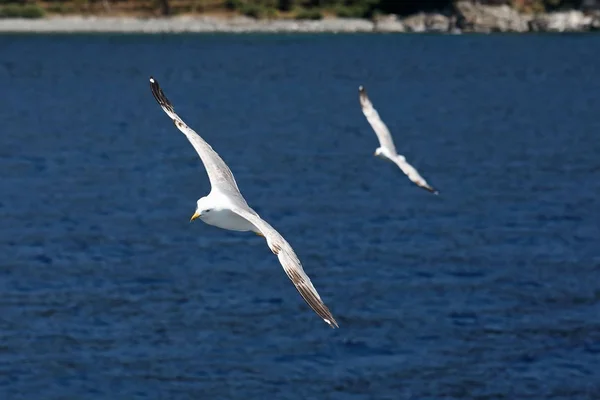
[196,215]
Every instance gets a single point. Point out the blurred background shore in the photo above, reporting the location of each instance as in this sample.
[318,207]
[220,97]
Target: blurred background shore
[435,16]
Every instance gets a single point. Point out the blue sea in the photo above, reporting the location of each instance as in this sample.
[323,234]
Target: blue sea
[490,290]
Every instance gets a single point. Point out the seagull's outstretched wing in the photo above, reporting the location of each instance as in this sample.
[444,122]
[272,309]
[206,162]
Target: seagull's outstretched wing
[218,172]
[381,130]
[412,173]
[290,263]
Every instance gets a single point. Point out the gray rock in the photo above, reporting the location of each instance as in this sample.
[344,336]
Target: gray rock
[474,17]
[595,24]
[437,23]
[389,23]
[416,23]
[565,21]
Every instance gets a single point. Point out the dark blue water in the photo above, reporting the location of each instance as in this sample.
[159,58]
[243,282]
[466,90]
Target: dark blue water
[489,291]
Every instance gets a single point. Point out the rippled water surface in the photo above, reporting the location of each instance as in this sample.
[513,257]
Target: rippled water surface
[489,291]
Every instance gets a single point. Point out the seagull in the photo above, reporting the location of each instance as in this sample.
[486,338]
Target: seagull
[226,208]
[386,149]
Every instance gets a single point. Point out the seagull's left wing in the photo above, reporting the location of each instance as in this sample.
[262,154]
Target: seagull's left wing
[290,263]
[412,173]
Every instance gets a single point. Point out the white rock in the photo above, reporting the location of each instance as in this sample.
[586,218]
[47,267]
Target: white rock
[416,23]
[437,23]
[474,17]
[389,23]
[565,21]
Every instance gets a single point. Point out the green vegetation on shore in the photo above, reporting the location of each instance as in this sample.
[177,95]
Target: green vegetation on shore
[298,9]
[21,11]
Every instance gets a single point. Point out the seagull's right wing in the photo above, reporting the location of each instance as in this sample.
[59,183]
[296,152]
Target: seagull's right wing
[218,172]
[412,173]
[381,130]
[290,263]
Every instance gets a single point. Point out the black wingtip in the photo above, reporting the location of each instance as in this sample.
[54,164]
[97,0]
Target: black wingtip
[332,324]
[431,190]
[159,95]
[362,96]
[154,86]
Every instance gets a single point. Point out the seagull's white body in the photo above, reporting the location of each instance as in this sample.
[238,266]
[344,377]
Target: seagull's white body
[226,208]
[222,217]
[387,149]
[385,154]
[215,210]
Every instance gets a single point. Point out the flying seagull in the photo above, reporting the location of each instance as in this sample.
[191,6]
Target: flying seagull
[226,208]
[386,149]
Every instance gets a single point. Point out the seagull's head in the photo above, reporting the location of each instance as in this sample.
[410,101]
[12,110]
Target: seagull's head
[378,152]
[202,208]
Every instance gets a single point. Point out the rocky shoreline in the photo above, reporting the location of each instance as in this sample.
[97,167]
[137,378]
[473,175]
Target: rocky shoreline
[466,17]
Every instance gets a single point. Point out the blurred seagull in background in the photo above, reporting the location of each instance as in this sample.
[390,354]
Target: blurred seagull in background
[226,208]
[386,149]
